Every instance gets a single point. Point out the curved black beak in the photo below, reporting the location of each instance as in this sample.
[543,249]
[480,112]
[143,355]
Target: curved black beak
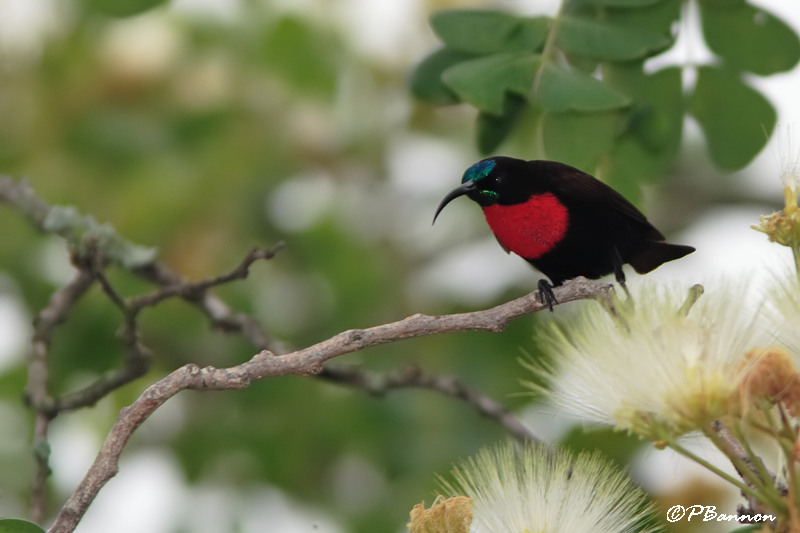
[464,188]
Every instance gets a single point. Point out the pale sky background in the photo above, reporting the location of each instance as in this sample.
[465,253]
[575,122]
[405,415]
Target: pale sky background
[387,30]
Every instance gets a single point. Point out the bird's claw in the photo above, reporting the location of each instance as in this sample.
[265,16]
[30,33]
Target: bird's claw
[546,294]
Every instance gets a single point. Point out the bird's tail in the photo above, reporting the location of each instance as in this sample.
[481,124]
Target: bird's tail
[655,253]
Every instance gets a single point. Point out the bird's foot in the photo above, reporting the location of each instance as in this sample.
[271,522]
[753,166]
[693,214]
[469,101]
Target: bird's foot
[628,297]
[619,274]
[546,294]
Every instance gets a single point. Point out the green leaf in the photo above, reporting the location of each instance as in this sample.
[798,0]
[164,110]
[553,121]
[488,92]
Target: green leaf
[656,116]
[121,8]
[584,64]
[560,90]
[14,525]
[527,128]
[492,130]
[733,115]
[658,18]
[426,79]
[484,82]
[487,32]
[652,138]
[629,164]
[580,139]
[589,37]
[749,38]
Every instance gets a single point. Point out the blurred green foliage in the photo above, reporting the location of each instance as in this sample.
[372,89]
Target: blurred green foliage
[184,130]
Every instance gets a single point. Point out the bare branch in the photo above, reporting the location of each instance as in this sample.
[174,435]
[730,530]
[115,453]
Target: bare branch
[414,377]
[306,361]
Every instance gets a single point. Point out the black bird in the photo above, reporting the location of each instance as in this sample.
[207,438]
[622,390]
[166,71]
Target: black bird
[563,221]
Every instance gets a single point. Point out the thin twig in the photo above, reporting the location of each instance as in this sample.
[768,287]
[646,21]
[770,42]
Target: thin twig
[217,311]
[413,377]
[41,454]
[36,394]
[195,291]
[760,491]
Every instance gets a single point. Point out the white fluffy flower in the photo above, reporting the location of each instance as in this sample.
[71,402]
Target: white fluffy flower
[539,489]
[652,369]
